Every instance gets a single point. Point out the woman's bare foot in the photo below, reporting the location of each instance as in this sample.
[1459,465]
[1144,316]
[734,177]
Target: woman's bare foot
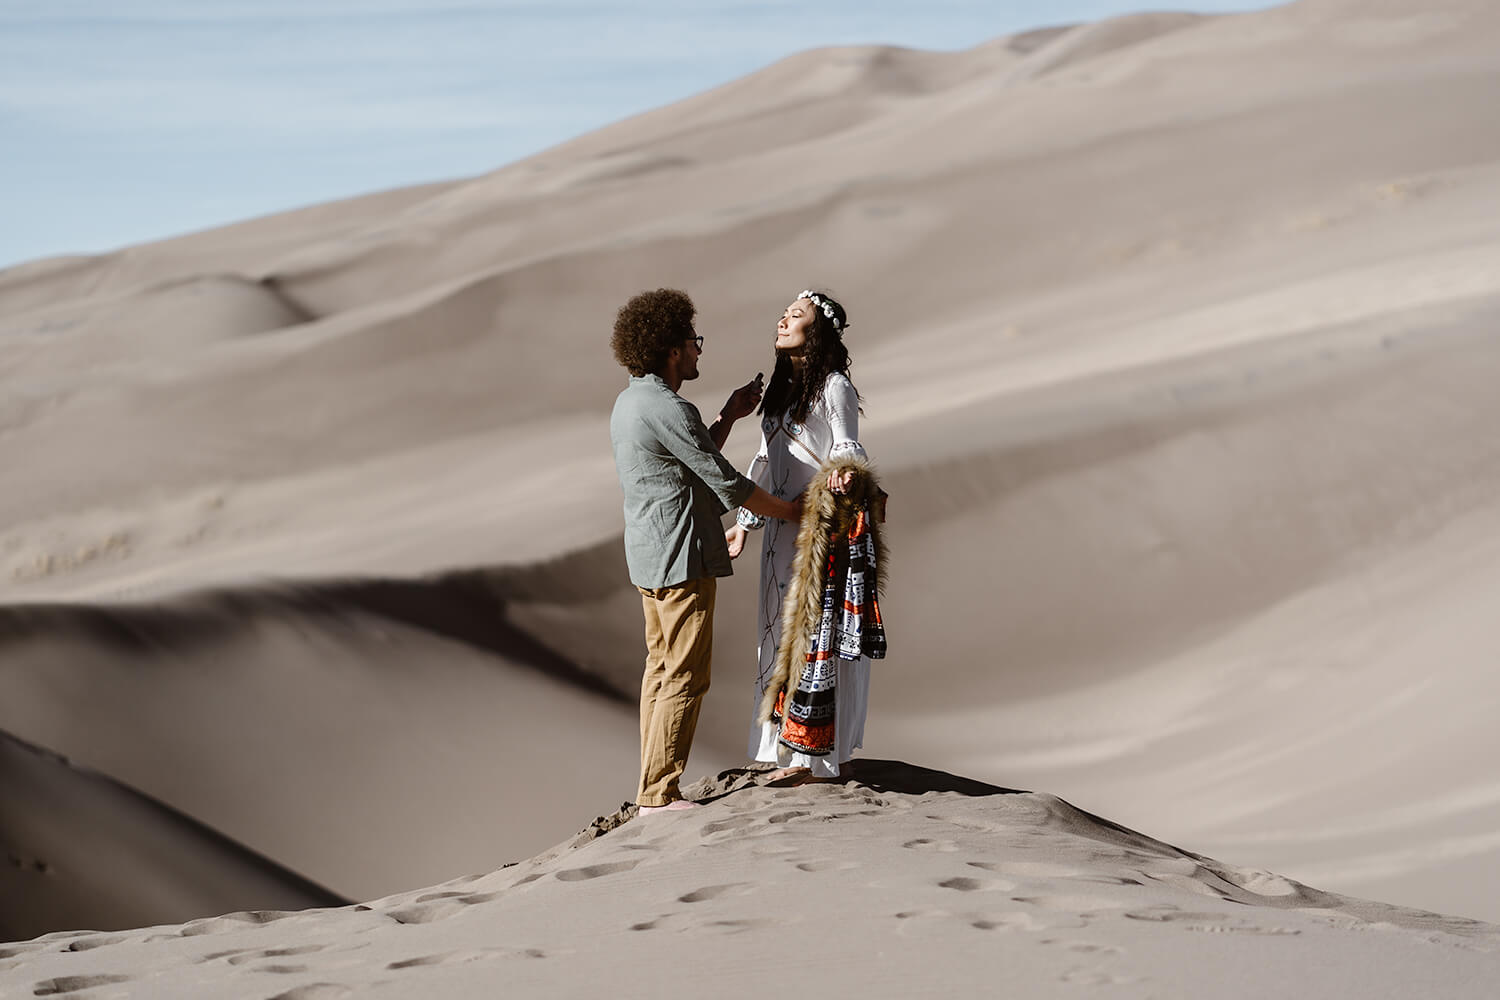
[786,776]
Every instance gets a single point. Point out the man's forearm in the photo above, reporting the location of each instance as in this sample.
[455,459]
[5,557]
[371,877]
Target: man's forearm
[719,432]
[762,503]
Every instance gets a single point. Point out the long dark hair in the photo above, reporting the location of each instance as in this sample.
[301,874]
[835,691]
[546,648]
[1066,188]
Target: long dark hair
[825,355]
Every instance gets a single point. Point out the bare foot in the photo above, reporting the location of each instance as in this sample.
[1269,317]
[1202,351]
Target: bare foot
[786,777]
[674,805]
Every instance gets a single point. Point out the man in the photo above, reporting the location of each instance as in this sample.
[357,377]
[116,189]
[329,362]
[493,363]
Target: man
[677,484]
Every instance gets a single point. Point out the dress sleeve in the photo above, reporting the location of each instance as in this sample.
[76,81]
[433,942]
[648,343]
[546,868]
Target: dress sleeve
[842,403]
[759,474]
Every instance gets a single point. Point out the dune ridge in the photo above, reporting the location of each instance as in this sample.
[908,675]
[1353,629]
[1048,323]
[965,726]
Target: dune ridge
[305,695]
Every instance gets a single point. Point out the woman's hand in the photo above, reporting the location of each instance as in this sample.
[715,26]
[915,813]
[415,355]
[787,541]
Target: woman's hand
[839,482]
[735,537]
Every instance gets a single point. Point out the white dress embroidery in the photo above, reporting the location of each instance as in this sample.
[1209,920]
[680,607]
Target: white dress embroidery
[790,453]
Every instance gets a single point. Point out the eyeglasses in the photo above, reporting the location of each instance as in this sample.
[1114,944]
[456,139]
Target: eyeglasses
[697,340]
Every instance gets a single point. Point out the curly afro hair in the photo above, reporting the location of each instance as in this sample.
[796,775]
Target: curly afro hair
[649,326]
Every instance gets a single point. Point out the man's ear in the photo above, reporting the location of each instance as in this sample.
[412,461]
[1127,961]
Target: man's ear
[674,358]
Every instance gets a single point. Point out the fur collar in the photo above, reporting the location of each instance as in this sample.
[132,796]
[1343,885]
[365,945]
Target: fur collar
[825,515]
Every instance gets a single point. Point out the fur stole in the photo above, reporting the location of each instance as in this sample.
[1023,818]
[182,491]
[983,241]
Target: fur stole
[827,518]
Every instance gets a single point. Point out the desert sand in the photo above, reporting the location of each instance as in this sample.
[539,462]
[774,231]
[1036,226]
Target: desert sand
[1176,337]
[904,881]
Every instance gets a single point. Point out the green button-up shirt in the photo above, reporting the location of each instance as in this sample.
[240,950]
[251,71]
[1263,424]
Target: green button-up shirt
[676,483]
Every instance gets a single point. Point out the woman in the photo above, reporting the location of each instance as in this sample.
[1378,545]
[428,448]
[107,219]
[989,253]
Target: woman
[809,414]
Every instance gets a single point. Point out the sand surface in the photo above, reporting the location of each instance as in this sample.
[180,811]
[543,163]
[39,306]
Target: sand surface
[1176,337]
[902,882]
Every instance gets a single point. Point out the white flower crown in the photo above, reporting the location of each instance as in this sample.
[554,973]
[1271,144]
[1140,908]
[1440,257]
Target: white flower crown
[824,305]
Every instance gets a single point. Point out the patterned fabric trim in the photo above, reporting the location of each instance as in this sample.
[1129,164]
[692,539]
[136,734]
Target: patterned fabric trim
[850,627]
[847,449]
[748,520]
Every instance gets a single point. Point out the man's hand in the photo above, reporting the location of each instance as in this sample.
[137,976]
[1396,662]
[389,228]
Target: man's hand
[735,537]
[743,401]
[795,514]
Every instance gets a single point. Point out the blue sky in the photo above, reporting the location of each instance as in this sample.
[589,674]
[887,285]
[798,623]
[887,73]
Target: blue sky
[123,121]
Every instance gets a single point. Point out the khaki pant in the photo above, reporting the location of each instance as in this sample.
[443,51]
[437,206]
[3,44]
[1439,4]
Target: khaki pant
[679,644]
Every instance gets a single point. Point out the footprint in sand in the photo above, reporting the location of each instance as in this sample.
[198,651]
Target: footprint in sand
[461,957]
[789,815]
[916,921]
[732,823]
[1010,921]
[1031,869]
[316,991]
[924,844]
[964,883]
[90,943]
[1042,869]
[439,906]
[1073,904]
[922,911]
[589,872]
[864,798]
[1094,977]
[1084,947]
[774,850]
[231,922]
[736,926]
[21,949]
[255,954]
[715,891]
[698,925]
[426,913]
[827,865]
[968,825]
[72,984]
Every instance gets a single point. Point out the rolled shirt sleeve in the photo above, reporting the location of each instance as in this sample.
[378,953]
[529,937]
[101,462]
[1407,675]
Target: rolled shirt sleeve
[688,441]
[676,486]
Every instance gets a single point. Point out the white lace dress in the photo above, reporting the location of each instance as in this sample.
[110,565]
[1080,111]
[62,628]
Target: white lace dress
[789,455]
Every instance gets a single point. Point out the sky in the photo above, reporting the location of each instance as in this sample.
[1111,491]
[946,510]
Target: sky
[124,121]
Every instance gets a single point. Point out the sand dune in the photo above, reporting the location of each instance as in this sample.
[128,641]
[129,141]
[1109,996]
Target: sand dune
[334,727]
[1176,341]
[904,880]
[81,846]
